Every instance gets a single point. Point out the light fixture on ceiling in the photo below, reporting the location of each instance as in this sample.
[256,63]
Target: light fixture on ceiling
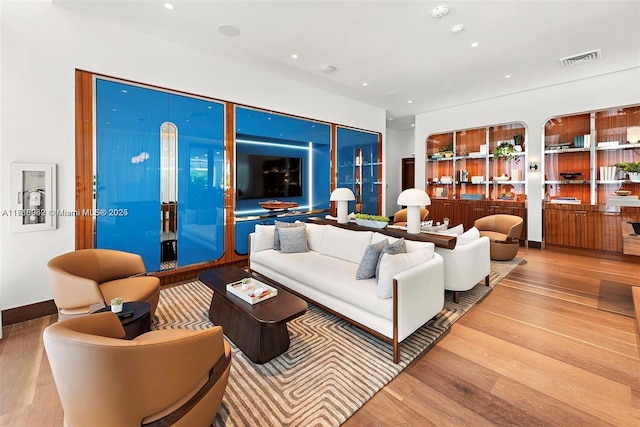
[168,6]
[294,56]
[328,69]
[457,29]
[475,44]
[508,76]
[409,102]
[440,11]
[365,84]
[228,30]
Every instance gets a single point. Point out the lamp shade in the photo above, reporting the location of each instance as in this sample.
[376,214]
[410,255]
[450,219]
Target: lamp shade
[343,194]
[414,197]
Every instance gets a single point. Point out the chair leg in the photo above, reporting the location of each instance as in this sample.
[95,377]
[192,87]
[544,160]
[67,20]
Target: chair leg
[486,280]
[456,297]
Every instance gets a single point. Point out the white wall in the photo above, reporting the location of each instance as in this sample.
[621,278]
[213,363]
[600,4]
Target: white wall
[533,108]
[41,46]
[400,144]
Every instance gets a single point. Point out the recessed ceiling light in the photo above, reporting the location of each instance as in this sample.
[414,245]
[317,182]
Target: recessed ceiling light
[413,125]
[365,84]
[228,30]
[508,76]
[390,119]
[457,29]
[168,6]
[328,69]
[409,101]
[475,44]
[294,56]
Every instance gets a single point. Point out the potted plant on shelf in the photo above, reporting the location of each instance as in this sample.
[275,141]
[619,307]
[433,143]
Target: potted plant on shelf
[447,150]
[506,151]
[632,169]
[375,221]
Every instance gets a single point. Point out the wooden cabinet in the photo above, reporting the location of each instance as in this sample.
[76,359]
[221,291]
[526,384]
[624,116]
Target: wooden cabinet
[581,153]
[466,212]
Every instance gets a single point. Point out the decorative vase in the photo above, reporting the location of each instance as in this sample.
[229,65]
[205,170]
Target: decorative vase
[634,176]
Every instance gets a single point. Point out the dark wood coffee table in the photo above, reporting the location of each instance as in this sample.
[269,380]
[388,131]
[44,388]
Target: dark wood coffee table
[259,330]
[139,322]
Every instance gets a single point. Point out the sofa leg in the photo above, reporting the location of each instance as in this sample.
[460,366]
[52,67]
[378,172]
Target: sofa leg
[486,280]
[456,297]
[396,352]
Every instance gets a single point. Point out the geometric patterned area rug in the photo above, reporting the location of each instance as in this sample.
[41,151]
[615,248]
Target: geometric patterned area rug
[331,369]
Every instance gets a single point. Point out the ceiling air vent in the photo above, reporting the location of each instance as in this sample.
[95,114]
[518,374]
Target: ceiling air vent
[593,55]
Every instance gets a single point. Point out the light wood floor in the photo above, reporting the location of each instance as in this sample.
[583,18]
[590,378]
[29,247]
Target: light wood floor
[537,351]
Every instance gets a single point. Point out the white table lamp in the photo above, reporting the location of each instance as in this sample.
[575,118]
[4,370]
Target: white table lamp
[413,199]
[342,196]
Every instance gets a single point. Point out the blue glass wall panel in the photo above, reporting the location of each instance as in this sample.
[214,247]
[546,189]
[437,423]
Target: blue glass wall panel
[128,122]
[200,178]
[348,141]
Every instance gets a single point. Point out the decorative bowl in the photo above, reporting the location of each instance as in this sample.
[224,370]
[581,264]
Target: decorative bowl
[501,178]
[371,223]
[623,192]
[569,176]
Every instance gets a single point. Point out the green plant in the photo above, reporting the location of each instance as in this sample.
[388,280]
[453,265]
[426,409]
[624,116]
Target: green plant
[447,148]
[116,301]
[506,151]
[372,217]
[629,166]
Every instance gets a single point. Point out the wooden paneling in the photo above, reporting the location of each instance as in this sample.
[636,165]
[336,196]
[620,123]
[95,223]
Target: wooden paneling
[84,159]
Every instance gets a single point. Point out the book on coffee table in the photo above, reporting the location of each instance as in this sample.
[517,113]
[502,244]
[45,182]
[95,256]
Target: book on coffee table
[255,292]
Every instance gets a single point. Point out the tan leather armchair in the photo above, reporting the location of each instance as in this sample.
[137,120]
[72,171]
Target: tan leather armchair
[503,232]
[86,277]
[165,377]
[400,217]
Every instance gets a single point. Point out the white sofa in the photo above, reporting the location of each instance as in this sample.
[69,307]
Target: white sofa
[326,276]
[467,263]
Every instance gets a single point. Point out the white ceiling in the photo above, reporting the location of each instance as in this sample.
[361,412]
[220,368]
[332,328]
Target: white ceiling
[397,47]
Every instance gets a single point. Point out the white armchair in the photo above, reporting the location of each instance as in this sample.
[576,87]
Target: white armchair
[466,264]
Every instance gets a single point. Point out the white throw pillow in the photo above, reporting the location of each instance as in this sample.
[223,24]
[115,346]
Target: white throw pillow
[315,233]
[390,265]
[456,231]
[344,244]
[468,236]
[263,238]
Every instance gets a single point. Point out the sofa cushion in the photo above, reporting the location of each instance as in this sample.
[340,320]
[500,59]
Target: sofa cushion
[390,265]
[293,240]
[263,237]
[279,225]
[369,262]
[345,244]
[397,247]
[329,275]
[468,236]
[315,233]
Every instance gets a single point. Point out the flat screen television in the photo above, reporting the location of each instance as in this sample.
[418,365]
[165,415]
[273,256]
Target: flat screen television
[261,176]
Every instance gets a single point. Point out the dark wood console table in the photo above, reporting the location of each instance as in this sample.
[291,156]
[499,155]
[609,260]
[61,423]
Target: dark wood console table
[440,240]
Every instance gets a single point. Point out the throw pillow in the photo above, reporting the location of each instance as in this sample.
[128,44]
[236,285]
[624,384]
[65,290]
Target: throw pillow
[456,231]
[369,263]
[397,247]
[280,225]
[468,236]
[390,265]
[293,240]
[263,237]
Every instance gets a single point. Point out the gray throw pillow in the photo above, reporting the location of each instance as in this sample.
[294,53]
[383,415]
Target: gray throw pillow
[369,263]
[397,247]
[293,240]
[276,233]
